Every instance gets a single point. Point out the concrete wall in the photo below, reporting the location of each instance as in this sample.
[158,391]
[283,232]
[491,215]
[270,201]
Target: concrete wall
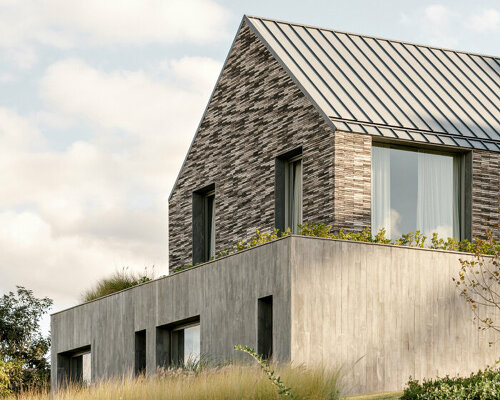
[223,293]
[383,313]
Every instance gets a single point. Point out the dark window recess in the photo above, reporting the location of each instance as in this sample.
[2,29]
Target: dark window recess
[288,191]
[265,327]
[178,343]
[74,367]
[140,352]
[203,224]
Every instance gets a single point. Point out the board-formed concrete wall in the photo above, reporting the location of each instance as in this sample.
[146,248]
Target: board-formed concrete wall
[382,313]
[224,293]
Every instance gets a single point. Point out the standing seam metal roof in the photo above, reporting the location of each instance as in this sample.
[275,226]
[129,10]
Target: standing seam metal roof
[390,88]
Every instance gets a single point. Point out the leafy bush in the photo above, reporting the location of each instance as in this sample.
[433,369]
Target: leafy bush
[412,239]
[23,349]
[482,385]
[119,280]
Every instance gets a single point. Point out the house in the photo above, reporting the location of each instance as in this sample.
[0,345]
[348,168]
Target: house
[309,124]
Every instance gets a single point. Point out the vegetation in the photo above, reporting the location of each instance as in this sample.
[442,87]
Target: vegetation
[479,284]
[482,385]
[412,239]
[119,280]
[228,382]
[23,349]
[264,364]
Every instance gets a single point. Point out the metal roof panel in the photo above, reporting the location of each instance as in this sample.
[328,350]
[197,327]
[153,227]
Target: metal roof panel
[391,88]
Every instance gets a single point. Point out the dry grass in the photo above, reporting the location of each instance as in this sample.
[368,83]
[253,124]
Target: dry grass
[229,382]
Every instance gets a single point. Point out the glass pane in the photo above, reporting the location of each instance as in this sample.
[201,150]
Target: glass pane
[295,195]
[192,344]
[414,190]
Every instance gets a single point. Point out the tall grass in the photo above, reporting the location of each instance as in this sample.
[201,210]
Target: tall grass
[228,383]
[119,280]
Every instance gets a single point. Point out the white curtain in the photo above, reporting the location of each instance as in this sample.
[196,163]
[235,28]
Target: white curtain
[296,209]
[437,209]
[381,190]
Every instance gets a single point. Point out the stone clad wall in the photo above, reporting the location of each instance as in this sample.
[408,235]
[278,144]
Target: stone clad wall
[352,181]
[485,191]
[256,114]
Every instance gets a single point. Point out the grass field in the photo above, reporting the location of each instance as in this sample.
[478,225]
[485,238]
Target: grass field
[228,383]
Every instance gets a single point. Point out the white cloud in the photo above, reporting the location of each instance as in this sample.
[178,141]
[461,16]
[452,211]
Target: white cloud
[486,21]
[69,217]
[435,24]
[64,23]
[438,14]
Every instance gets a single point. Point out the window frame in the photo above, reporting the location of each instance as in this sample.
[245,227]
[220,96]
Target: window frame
[465,179]
[203,220]
[282,187]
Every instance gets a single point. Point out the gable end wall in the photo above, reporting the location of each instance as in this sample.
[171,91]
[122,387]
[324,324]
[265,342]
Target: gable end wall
[257,113]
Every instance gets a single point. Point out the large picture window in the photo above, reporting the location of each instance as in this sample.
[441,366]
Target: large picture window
[415,190]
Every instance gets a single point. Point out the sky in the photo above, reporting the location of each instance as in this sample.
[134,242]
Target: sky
[99,101]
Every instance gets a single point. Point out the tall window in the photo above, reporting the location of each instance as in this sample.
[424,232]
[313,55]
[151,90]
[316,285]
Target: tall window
[288,191]
[294,194]
[415,190]
[265,326]
[140,352]
[204,224]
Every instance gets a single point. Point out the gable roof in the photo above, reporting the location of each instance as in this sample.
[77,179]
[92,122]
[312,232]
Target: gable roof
[390,88]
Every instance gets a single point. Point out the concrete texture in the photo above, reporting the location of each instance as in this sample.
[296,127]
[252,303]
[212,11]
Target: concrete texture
[380,312]
[223,293]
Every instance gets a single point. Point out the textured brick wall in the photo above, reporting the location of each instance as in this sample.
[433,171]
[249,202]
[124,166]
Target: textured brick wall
[352,181]
[485,191]
[257,113]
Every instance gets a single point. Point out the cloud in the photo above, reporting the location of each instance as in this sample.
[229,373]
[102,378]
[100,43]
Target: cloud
[435,24]
[63,23]
[487,20]
[70,216]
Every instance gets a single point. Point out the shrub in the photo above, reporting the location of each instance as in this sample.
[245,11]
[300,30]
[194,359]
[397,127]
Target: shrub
[412,239]
[23,348]
[482,385]
[119,280]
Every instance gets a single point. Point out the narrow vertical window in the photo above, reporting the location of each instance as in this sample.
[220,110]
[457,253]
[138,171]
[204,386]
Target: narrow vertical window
[294,194]
[265,326]
[288,191]
[140,352]
[204,224]
[210,225]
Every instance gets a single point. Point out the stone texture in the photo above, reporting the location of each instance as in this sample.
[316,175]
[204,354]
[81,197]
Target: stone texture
[485,192]
[256,114]
[352,181]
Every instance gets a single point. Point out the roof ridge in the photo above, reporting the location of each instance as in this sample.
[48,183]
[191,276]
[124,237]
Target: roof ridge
[373,37]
